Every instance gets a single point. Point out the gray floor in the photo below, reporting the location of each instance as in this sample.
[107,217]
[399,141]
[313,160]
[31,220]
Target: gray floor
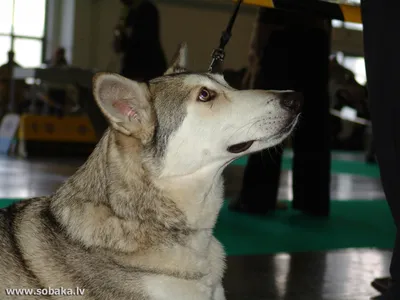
[343,186]
[332,275]
[31,178]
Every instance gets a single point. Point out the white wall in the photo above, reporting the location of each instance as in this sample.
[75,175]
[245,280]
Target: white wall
[200,25]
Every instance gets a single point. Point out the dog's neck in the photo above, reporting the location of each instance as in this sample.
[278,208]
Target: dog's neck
[112,203]
[199,195]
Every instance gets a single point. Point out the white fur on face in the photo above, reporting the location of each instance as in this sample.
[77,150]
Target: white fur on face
[209,128]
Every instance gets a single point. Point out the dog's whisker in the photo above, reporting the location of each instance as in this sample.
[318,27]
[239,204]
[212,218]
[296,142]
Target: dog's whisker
[252,121]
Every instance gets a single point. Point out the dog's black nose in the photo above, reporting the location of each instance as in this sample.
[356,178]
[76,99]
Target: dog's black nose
[292,101]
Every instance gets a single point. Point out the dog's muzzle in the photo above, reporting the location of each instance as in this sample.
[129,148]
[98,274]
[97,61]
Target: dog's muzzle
[290,101]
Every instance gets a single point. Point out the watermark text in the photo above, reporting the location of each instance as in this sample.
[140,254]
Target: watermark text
[45,292]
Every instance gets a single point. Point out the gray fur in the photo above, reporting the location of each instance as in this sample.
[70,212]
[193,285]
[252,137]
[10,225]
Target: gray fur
[170,109]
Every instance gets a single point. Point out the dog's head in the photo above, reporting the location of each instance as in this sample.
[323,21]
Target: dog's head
[188,122]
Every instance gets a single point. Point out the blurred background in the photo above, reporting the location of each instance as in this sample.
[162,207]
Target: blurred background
[49,124]
[35,29]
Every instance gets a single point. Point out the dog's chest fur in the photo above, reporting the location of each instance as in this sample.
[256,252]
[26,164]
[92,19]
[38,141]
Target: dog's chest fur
[161,272]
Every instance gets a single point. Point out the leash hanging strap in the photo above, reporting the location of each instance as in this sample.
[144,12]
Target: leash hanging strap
[218,54]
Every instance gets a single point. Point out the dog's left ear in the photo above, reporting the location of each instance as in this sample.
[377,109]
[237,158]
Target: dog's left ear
[179,62]
[125,103]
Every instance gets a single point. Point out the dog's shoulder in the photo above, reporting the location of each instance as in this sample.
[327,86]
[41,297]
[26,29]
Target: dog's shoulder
[13,267]
[15,215]
[13,212]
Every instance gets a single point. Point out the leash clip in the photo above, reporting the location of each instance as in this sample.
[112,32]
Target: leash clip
[218,56]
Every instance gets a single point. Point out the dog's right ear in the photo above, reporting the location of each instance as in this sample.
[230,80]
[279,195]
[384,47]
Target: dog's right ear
[179,62]
[125,103]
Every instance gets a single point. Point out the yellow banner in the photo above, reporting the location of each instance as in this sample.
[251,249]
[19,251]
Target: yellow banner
[51,128]
[266,3]
[351,12]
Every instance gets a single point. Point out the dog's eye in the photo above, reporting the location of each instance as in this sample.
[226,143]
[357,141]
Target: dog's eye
[205,95]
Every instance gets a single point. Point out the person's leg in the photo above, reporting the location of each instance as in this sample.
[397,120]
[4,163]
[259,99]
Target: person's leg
[382,48]
[370,155]
[311,147]
[260,185]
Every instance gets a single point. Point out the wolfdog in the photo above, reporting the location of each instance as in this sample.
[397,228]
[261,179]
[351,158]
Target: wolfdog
[136,220]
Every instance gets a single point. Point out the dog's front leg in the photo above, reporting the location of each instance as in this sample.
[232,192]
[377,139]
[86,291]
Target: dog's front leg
[219,293]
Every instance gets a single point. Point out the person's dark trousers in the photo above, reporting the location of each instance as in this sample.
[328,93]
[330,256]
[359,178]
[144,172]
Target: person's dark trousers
[382,59]
[260,184]
[297,59]
[311,145]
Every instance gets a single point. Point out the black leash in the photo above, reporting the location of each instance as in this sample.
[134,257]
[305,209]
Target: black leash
[218,54]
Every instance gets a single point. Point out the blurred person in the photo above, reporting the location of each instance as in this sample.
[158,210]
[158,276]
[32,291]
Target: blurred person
[381,50]
[57,93]
[290,51]
[137,38]
[5,87]
[59,59]
[10,62]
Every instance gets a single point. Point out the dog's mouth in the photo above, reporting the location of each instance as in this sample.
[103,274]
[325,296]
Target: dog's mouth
[241,147]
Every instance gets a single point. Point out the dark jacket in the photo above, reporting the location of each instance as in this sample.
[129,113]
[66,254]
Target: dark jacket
[143,56]
[284,46]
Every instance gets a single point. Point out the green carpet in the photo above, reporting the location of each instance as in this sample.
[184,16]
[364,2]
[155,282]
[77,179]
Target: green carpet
[352,224]
[337,166]
[6,202]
